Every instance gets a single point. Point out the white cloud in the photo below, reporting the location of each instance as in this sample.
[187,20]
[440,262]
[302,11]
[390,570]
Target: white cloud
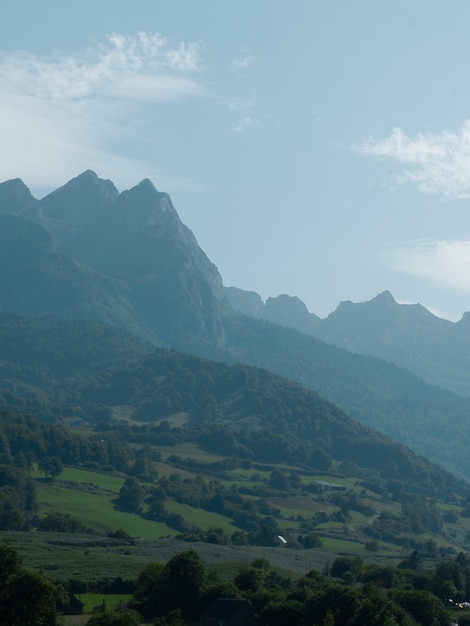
[61,114]
[239,105]
[435,162]
[245,59]
[145,62]
[246,123]
[445,263]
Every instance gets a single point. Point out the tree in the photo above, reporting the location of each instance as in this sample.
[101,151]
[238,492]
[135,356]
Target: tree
[281,613]
[131,496]
[183,580]
[173,618]
[27,598]
[279,479]
[348,568]
[125,617]
[61,523]
[423,606]
[32,600]
[249,578]
[148,589]
[51,466]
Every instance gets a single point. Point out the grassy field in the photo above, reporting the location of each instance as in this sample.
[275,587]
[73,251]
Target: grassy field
[106,482]
[199,517]
[111,600]
[97,511]
[91,559]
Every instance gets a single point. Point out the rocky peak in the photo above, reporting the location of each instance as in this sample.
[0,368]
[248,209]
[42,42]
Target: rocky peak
[290,311]
[246,302]
[383,302]
[384,299]
[15,197]
[464,322]
[143,206]
[79,201]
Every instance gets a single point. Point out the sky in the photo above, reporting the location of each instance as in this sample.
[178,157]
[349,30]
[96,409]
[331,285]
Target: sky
[319,148]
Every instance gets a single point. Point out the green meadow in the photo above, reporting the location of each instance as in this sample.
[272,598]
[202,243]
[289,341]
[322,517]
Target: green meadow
[201,518]
[97,511]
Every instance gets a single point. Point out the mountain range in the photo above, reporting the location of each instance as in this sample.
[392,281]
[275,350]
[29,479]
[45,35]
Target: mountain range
[408,335]
[88,252]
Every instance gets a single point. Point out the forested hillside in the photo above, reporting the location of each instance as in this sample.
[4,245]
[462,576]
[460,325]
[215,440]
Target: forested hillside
[431,421]
[231,433]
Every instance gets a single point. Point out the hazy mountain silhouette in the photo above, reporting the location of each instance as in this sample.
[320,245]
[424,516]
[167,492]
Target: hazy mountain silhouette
[408,335]
[131,247]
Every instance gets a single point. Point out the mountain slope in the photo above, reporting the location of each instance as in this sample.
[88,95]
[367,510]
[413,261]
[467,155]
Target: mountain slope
[35,279]
[409,336]
[15,197]
[237,410]
[133,242]
[431,421]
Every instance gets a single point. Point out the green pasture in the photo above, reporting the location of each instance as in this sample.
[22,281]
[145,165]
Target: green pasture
[249,473]
[111,600]
[349,483]
[330,526]
[190,451]
[199,517]
[341,545]
[107,482]
[123,412]
[238,483]
[98,512]
[445,506]
[356,517]
[65,557]
[292,511]
[287,524]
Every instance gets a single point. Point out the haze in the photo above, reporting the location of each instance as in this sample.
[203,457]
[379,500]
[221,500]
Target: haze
[319,149]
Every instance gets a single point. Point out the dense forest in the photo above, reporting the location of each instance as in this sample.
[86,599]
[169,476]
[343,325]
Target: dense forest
[40,352]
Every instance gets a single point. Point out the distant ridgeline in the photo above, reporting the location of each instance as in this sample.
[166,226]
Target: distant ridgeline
[407,335]
[100,259]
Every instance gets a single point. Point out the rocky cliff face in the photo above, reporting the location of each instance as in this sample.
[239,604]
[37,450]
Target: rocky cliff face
[246,302]
[284,310]
[134,239]
[291,311]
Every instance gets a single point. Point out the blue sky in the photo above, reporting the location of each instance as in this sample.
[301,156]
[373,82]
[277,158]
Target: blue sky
[315,148]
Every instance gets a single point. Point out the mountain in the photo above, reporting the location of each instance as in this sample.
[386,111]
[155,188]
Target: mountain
[283,310]
[36,279]
[409,336]
[246,302]
[130,248]
[88,252]
[15,197]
